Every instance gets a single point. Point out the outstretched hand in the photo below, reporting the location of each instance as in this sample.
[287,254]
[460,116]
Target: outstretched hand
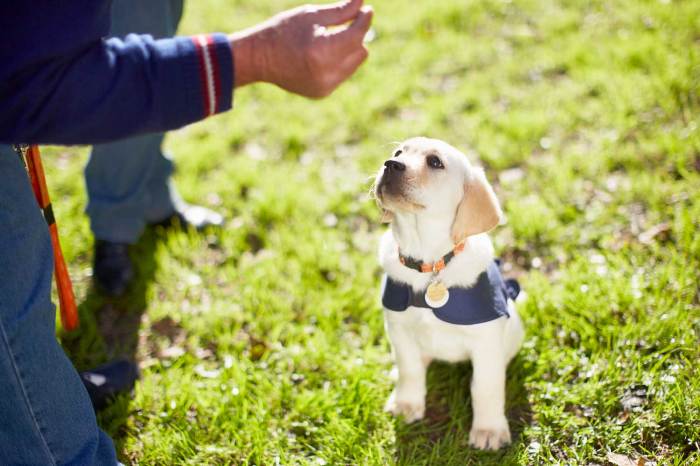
[298,52]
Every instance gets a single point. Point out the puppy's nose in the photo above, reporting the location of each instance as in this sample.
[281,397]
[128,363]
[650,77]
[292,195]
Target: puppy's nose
[394,165]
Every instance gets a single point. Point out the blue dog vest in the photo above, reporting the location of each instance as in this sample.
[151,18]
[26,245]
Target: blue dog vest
[486,300]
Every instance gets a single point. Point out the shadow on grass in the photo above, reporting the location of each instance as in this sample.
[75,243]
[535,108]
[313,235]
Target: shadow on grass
[109,329]
[442,437]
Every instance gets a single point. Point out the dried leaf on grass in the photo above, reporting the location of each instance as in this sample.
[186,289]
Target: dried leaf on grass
[647,236]
[624,460]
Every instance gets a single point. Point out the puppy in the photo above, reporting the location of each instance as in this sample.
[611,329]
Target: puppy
[443,294]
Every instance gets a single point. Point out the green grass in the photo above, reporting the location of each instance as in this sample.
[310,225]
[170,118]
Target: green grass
[263,343]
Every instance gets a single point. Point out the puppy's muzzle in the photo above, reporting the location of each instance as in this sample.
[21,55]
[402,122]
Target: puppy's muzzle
[392,175]
[390,181]
[394,167]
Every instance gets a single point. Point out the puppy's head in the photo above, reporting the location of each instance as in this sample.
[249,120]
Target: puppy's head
[429,177]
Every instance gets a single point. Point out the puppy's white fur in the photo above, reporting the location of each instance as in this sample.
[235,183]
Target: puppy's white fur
[424,225]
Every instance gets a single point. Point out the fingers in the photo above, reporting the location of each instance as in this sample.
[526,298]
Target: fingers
[337,13]
[355,33]
[348,45]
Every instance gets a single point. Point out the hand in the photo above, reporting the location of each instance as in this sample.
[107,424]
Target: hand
[296,51]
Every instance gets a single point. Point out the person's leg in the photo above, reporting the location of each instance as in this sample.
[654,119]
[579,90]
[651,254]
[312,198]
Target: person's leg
[120,178]
[46,413]
[127,180]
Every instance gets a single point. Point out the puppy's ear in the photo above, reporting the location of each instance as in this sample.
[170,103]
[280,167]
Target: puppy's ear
[479,210]
[387,216]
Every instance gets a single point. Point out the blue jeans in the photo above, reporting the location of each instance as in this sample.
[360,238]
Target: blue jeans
[46,417]
[128,181]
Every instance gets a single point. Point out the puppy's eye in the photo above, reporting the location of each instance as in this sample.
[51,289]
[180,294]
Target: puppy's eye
[397,153]
[435,162]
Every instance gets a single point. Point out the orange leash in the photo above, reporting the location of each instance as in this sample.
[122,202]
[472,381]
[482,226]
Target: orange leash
[66,298]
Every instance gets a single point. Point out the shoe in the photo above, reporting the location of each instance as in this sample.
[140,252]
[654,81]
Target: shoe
[112,268]
[192,216]
[105,382]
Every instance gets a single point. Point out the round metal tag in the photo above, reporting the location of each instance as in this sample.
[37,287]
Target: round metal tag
[437,294]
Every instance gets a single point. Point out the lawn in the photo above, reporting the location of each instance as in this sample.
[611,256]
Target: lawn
[263,343]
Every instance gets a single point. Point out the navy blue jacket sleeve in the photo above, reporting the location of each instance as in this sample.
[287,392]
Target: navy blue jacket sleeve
[93,89]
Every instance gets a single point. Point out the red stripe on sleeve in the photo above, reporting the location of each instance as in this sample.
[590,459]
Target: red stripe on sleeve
[202,75]
[215,72]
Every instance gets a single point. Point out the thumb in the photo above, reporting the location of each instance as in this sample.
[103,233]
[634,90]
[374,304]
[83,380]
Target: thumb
[337,13]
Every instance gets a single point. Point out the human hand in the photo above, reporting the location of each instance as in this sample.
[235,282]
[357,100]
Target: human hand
[295,50]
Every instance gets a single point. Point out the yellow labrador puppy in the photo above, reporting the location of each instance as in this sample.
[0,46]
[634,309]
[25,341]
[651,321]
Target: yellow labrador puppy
[443,294]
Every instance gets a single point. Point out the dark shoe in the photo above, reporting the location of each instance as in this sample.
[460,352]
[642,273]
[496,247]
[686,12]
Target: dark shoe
[192,216]
[105,382]
[112,267]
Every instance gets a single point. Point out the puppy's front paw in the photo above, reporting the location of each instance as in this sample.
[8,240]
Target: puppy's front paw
[490,438]
[411,409]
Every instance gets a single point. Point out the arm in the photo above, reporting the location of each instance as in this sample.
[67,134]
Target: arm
[116,88]
[101,90]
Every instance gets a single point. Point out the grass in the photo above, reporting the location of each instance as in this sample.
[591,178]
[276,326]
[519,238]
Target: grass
[263,343]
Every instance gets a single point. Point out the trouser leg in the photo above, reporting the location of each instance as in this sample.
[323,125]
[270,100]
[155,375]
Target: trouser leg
[46,414]
[120,179]
[128,181]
